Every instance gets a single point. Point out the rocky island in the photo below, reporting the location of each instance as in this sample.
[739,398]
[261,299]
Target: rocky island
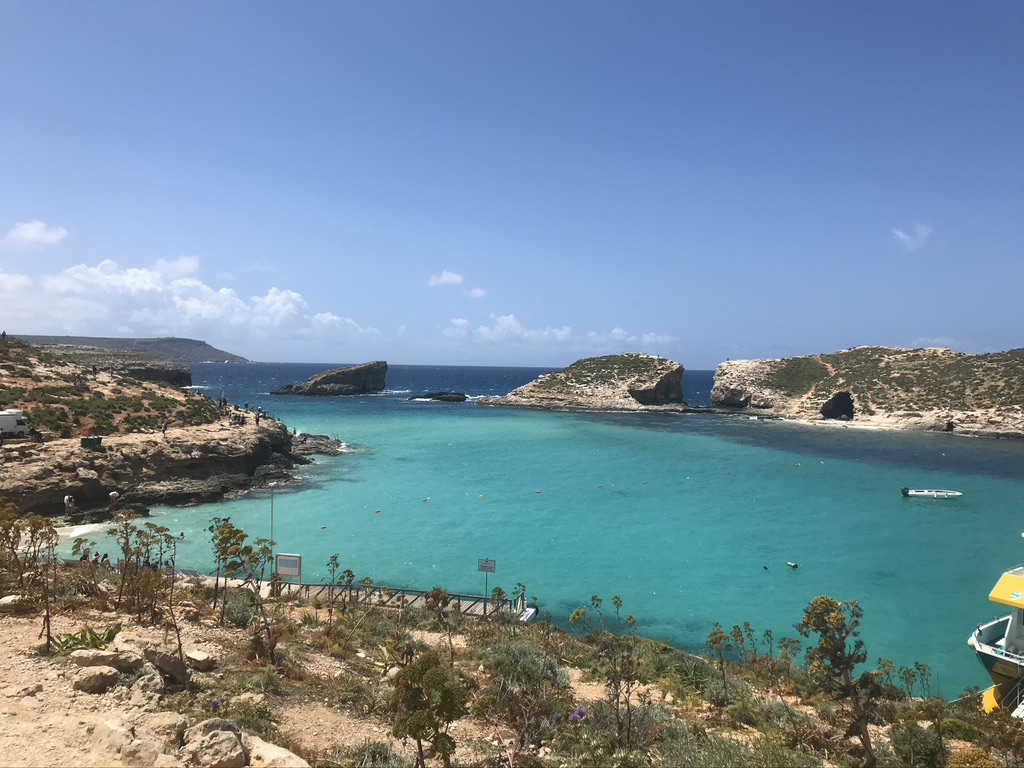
[924,389]
[630,382]
[353,380]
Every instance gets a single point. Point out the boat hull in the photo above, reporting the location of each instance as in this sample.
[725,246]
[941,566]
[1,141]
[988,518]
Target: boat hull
[930,494]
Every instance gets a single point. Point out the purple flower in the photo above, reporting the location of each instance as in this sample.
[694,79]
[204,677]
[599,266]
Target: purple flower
[557,718]
[215,706]
[582,712]
[574,718]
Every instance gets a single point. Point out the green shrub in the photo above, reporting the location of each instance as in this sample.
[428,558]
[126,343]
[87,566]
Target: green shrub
[955,728]
[722,694]
[241,607]
[372,754]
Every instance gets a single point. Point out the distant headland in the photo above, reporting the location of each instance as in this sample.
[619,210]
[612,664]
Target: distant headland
[173,349]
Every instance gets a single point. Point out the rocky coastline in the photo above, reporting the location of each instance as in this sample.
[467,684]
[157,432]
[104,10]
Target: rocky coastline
[184,465]
[882,388]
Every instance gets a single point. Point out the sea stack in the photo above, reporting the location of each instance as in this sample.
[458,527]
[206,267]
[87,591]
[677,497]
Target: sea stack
[361,379]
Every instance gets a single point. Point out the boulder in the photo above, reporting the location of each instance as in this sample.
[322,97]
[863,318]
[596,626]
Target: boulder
[265,755]
[167,727]
[215,743]
[169,664]
[122,661]
[96,679]
[200,661]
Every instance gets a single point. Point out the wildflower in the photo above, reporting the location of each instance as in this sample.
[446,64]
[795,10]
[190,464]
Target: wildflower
[557,718]
[215,706]
[574,718]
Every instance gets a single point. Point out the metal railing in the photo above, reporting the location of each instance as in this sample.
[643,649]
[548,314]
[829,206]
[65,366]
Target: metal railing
[396,598]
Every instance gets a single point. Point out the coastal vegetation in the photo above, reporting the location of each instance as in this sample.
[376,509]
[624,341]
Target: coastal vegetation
[434,686]
[933,389]
[64,398]
[897,379]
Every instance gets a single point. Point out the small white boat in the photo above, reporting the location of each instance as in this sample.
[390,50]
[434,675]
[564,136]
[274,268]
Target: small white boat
[931,494]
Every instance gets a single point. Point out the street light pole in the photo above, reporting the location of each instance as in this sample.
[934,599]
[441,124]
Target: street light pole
[272,520]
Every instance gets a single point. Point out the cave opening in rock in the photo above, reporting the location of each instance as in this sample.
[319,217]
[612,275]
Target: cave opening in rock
[839,406]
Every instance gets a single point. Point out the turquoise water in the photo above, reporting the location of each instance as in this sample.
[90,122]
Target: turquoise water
[690,519]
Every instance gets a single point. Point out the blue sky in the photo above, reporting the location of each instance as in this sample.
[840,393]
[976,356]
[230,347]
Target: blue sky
[515,183]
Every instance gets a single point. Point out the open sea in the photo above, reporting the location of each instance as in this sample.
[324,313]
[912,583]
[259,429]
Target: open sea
[691,519]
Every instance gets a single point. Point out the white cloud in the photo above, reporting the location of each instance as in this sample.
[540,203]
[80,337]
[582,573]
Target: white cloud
[916,239]
[445,278]
[506,328]
[476,293]
[166,298]
[459,328]
[26,234]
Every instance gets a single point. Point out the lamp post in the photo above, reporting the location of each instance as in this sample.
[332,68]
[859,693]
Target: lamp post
[272,520]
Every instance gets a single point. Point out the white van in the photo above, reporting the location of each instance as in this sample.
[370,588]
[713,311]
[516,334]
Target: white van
[12,423]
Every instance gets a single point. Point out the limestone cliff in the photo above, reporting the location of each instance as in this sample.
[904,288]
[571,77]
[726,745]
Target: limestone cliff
[354,380]
[928,389]
[630,382]
[133,365]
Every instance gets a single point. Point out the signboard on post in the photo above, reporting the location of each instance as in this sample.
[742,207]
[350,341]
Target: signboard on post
[289,567]
[488,567]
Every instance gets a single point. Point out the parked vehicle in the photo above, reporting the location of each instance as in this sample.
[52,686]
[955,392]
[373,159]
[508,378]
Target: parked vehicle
[12,424]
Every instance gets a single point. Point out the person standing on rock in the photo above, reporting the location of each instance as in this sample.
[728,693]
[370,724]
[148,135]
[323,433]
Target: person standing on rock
[69,504]
[164,429]
[114,496]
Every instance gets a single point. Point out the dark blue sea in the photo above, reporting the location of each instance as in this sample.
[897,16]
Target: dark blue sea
[691,519]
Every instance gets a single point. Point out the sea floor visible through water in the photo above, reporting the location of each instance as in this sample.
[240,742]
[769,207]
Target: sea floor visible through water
[691,519]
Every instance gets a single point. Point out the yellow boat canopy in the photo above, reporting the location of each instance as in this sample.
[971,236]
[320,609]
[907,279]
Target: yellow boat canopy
[1009,590]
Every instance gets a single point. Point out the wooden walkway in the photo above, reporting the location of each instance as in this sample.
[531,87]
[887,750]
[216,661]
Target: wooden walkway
[396,598]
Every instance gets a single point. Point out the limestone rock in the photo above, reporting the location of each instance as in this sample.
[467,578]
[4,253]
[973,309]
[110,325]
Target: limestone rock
[354,380]
[631,382]
[200,660]
[95,679]
[925,389]
[167,727]
[119,660]
[265,755]
[26,690]
[215,743]
[442,397]
[170,666]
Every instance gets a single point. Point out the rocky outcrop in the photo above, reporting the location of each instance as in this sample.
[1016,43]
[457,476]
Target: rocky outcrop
[354,380]
[187,465]
[924,389]
[630,382]
[442,397]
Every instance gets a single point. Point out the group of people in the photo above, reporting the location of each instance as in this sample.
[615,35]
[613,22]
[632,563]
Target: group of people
[96,560]
[70,507]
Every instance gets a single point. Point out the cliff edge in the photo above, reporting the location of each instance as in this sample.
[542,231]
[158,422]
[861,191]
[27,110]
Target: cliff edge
[924,389]
[630,382]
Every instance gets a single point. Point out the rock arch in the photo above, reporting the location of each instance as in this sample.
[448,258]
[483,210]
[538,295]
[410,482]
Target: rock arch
[839,406]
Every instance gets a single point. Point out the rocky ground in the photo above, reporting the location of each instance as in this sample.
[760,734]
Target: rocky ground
[45,720]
